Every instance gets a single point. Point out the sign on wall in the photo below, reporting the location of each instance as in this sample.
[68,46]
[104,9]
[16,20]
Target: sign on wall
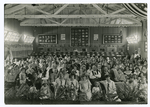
[95,36]
[63,37]
[79,36]
[51,38]
[112,38]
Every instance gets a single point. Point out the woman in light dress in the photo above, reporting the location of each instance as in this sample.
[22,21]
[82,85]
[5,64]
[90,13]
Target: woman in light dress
[85,88]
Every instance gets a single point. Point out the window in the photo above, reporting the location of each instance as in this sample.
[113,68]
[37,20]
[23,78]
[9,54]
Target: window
[12,36]
[28,39]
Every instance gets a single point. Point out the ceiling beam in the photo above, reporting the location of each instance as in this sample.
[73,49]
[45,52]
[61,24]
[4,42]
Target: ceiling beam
[39,10]
[69,16]
[120,21]
[110,25]
[53,21]
[64,20]
[13,9]
[86,14]
[69,13]
[120,10]
[115,21]
[99,9]
[60,9]
[133,20]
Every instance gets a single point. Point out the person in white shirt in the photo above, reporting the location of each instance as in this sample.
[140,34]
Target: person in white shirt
[60,65]
[95,75]
[136,55]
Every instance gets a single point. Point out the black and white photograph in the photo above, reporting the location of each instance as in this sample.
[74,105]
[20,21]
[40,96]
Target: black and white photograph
[75,53]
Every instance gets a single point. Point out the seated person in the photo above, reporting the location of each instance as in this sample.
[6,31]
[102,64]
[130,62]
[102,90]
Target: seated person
[127,72]
[82,70]
[95,75]
[96,92]
[72,86]
[75,71]
[111,93]
[65,73]
[44,91]
[143,86]
[105,71]
[59,85]
[117,74]
[85,89]
[89,70]
[29,70]
[33,92]
[132,81]
[120,76]
[136,72]
[22,77]
[144,71]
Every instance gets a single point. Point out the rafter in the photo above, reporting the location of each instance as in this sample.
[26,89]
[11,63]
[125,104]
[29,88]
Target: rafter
[53,21]
[120,21]
[68,16]
[13,9]
[120,10]
[111,25]
[132,19]
[115,21]
[39,10]
[64,20]
[99,9]
[86,14]
[59,10]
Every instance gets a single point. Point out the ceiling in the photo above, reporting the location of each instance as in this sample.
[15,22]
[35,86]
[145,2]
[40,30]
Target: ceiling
[110,14]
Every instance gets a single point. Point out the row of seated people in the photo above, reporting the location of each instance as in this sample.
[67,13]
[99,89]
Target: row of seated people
[66,78]
[79,53]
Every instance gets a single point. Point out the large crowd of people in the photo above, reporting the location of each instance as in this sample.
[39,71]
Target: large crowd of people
[83,78]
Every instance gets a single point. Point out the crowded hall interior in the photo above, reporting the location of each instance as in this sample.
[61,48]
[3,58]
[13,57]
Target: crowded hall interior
[75,53]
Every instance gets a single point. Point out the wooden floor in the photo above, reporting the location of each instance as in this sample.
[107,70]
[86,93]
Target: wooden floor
[49,102]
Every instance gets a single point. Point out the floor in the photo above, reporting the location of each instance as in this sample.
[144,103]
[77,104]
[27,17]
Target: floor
[18,101]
